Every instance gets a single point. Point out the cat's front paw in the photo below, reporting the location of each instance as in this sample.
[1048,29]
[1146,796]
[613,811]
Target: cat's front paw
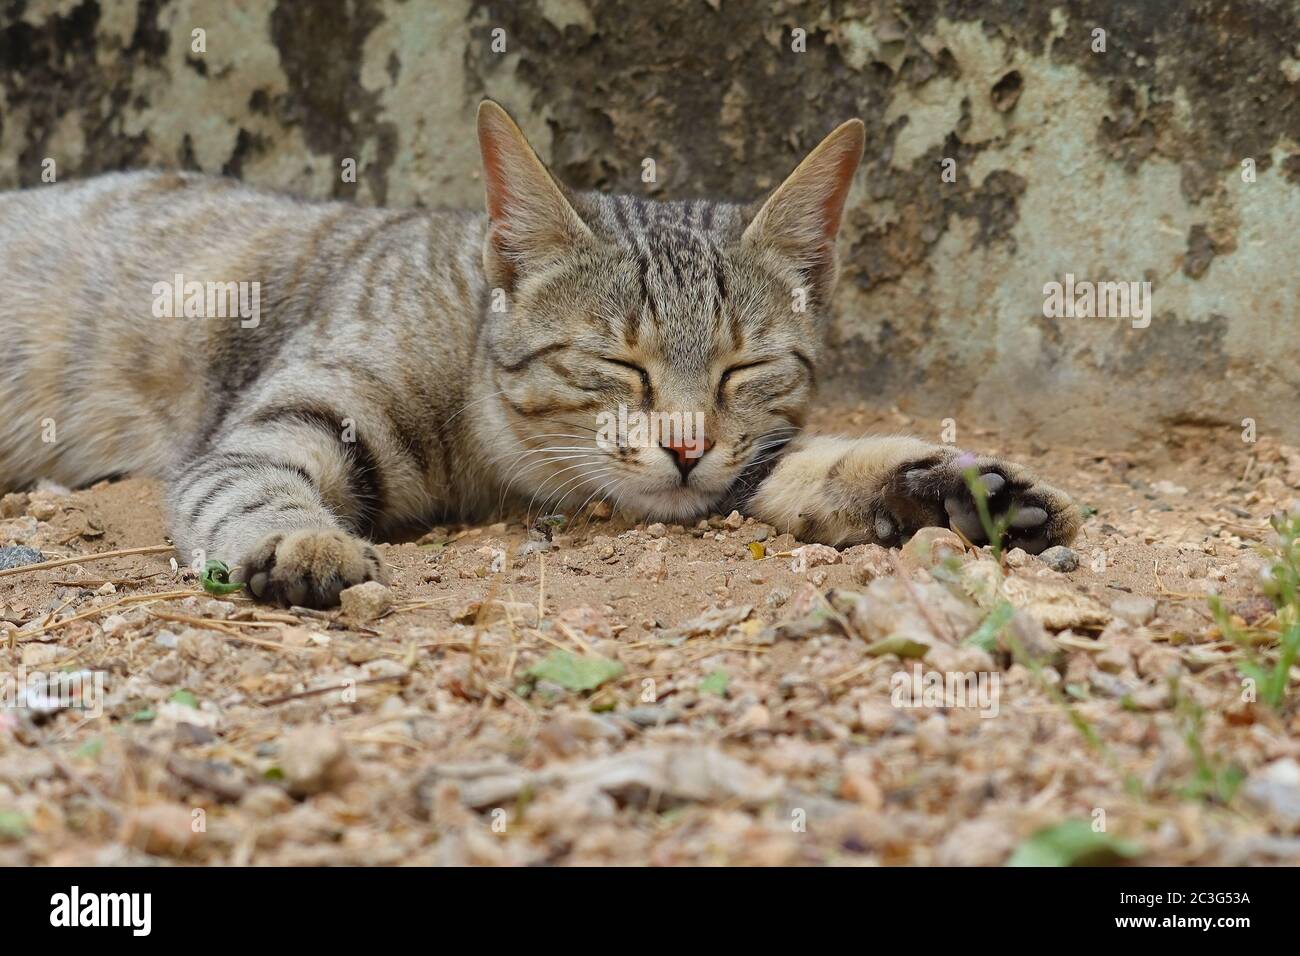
[308,567]
[936,491]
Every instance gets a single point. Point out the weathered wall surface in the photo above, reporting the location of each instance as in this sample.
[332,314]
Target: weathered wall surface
[1122,165]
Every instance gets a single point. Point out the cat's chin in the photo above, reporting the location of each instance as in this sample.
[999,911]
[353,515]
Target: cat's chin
[672,504]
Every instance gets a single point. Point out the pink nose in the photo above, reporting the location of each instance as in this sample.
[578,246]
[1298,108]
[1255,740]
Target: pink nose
[686,455]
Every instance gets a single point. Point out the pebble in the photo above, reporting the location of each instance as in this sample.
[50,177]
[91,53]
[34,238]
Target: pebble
[812,555]
[1016,558]
[16,556]
[1276,790]
[1060,558]
[204,647]
[776,597]
[930,546]
[13,505]
[162,829]
[656,530]
[366,602]
[315,759]
[734,521]
[872,563]
[1134,608]
[653,566]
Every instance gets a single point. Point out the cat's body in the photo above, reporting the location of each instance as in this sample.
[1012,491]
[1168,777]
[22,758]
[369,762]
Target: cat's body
[402,366]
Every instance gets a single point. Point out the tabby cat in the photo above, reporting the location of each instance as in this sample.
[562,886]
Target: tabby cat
[390,367]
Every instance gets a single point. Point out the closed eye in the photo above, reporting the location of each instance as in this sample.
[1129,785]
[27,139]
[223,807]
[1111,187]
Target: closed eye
[742,367]
[633,367]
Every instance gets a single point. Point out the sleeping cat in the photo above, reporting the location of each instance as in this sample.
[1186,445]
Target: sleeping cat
[383,368]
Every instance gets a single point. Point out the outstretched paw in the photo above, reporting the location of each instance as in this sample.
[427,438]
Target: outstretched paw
[936,491]
[308,567]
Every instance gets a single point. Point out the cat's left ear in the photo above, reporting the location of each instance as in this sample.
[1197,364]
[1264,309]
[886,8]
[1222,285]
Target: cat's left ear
[802,218]
[530,221]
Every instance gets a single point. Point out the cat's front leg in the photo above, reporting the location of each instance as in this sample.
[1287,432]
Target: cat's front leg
[843,491]
[282,500]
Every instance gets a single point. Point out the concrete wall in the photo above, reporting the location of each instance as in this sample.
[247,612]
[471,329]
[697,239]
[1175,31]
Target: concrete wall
[1122,165]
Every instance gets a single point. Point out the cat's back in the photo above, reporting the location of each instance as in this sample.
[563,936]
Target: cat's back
[101,347]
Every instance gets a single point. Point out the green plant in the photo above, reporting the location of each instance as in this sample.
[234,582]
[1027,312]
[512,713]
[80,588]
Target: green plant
[1281,584]
[994,529]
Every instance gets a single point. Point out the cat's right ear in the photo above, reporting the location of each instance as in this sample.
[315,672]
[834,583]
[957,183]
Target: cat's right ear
[802,218]
[530,220]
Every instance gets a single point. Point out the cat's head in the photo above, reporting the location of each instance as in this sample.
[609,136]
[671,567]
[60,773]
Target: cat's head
[650,352]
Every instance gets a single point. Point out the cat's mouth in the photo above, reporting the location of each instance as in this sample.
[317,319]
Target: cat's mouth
[680,502]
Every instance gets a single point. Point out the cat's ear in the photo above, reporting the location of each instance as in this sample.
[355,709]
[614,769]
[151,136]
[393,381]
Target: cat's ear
[530,221]
[801,219]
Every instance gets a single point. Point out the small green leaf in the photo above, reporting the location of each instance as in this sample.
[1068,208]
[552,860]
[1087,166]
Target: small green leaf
[573,672]
[216,578]
[13,825]
[985,636]
[144,716]
[186,698]
[273,773]
[897,644]
[91,749]
[1073,843]
[715,683]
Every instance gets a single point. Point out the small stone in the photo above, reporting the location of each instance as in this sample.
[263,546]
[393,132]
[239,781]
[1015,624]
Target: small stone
[1114,660]
[167,670]
[315,759]
[734,521]
[653,566]
[1276,791]
[114,623]
[651,715]
[930,546]
[17,556]
[13,505]
[366,602]
[776,597]
[873,562]
[204,647]
[600,509]
[162,829]
[812,555]
[1060,558]
[1134,608]
[656,530]
[38,655]
[494,559]
[42,510]
[1016,558]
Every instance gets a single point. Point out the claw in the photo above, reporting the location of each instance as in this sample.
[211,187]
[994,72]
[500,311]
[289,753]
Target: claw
[963,517]
[1028,518]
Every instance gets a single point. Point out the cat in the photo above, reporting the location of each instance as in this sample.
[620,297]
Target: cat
[382,368]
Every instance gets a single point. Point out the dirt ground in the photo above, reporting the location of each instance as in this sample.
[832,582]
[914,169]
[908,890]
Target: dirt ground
[642,695]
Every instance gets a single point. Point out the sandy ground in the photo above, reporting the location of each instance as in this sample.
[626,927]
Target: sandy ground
[744,706]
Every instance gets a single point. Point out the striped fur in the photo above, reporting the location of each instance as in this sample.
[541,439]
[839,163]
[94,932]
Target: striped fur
[417,365]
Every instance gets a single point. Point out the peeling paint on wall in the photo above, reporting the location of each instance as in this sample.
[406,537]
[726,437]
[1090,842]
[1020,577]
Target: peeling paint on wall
[1005,149]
